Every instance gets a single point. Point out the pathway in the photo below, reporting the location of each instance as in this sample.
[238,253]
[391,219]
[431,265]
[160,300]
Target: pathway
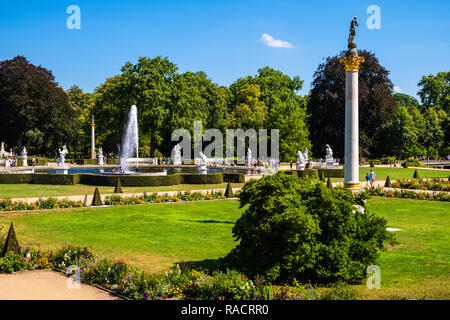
[46,285]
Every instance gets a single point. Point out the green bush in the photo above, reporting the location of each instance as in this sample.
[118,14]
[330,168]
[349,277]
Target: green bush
[307,173]
[56,179]
[299,229]
[118,188]
[11,243]
[97,200]
[332,173]
[12,262]
[214,178]
[234,177]
[387,184]
[86,161]
[229,191]
[19,178]
[416,175]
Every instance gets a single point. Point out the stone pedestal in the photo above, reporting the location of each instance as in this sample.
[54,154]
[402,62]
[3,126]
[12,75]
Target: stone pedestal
[351,168]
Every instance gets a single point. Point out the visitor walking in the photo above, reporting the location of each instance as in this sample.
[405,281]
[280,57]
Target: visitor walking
[367,180]
[296,165]
[290,164]
[372,178]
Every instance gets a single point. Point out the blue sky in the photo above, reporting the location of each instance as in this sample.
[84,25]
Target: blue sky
[223,38]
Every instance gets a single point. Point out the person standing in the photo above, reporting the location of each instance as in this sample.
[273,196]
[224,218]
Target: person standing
[290,164]
[372,178]
[367,179]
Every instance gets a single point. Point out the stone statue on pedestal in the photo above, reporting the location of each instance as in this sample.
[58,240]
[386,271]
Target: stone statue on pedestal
[176,154]
[62,156]
[24,157]
[329,155]
[249,157]
[101,157]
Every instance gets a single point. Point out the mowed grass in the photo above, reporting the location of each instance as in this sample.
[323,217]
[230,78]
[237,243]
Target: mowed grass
[420,264]
[8,191]
[153,237]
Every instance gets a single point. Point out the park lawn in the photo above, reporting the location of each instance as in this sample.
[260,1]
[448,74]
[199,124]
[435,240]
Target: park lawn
[420,264]
[39,190]
[155,237]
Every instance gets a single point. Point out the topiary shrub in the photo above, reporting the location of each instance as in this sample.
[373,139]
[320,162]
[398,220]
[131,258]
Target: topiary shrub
[321,175]
[97,200]
[416,175]
[299,229]
[329,184]
[11,243]
[118,188]
[387,184]
[229,191]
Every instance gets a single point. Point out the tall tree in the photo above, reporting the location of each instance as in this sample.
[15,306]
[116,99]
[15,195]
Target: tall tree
[405,100]
[326,106]
[33,107]
[435,91]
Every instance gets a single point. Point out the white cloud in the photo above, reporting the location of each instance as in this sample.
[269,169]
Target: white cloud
[268,40]
[398,89]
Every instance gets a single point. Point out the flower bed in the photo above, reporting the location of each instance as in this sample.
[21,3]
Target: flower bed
[181,281]
[114,200]
[434,184]
[409,194]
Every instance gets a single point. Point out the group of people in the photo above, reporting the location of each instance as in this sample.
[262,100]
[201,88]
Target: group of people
[120,171]
[370,179]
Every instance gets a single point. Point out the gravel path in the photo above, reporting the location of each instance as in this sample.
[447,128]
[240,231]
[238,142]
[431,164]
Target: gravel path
[46,285]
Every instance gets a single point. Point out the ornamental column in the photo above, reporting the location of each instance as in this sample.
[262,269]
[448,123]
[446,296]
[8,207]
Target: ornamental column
[93,154]
[351,63]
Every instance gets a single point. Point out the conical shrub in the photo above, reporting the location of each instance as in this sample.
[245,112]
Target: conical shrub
[329,184]
[321,176]
[11,243]
[416,175]
[97,200]
[387,184]
[229,191]
[118,188]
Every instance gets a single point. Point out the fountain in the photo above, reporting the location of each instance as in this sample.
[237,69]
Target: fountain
[101,157]
[130,141]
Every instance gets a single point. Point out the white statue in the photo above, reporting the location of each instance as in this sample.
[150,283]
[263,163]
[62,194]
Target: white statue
[3,153]
[329,155]
[305,155]
[176,154]
[301,160]
[101,157]
[249,157]
[24,157]
[62,156]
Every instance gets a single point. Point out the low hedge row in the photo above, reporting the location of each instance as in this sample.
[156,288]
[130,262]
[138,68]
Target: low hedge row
[327,173]
[125,180]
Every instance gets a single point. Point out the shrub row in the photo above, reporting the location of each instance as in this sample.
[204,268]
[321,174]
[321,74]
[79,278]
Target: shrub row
[126,180]
[435,196]
[327,173]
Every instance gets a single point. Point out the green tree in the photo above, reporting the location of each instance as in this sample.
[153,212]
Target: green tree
[326,106]
[435,91]
[434,134]
[405,100]
[248,111]
[30,99]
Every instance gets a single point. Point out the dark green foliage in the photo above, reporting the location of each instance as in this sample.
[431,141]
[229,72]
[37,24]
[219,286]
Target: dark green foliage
[308,173]
[214,178]
[388,182]
[11,243]
[299,229]
[329,184]
[321,175]
[19,178]
[332,173]
[97,200]
[56,179]
[416,174]
[86,161]
[118,188]
[234,177]
[229,191]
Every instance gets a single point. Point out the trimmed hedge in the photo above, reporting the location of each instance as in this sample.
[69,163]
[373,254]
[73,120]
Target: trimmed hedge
[18,178]
[308,173]
[125,180]
[332,173]
[86,161]
[234,177]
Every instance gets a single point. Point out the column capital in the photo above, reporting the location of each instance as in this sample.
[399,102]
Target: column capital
[351,63]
